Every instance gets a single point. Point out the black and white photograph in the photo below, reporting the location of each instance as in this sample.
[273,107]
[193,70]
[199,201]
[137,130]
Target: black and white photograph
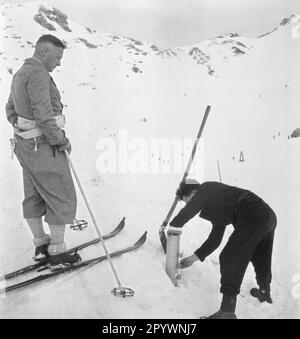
[149,154]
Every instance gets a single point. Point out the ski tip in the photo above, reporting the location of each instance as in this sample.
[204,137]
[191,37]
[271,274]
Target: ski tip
[141,240]
[163,241]
[118,229]
[122,223]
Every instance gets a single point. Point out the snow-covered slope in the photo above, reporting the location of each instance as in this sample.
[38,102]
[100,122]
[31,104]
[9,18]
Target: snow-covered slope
[113,83]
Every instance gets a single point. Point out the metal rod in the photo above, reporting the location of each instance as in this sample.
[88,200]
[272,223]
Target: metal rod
[172,255]
[186,173]
[219,171]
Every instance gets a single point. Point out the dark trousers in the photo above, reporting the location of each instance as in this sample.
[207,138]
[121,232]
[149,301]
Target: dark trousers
[251,241]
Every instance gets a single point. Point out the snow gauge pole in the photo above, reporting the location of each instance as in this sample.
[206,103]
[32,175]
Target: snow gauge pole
[162,235]
[120,290]
[219,171]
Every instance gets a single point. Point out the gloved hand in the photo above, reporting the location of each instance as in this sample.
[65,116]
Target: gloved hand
[180,191]
[65,147]
[188,261]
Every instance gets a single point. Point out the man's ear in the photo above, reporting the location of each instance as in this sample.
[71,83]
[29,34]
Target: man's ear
[45,51]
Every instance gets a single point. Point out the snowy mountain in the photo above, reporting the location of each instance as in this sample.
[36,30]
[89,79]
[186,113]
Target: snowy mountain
[113,85]
[130,53]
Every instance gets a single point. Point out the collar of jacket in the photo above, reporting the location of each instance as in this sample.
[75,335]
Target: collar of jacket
[34,61]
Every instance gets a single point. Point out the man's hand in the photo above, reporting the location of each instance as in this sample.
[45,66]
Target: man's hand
[188,261]
[180,190]
[65,147]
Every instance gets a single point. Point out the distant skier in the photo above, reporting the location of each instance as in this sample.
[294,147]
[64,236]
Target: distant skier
[35,111]
[254,223]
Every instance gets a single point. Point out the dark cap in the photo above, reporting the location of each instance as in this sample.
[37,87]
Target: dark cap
[186,188]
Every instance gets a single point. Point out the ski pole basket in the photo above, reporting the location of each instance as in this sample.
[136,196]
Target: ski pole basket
[79,225]
[123,292]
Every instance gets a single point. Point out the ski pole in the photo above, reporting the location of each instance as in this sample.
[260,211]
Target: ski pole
[120,291]
[162,235]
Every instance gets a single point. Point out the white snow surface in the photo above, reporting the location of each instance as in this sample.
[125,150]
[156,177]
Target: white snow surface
[255,107]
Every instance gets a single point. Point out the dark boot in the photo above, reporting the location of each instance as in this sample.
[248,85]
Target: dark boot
[221,315]
[261,295]
[227,309]
[41,248]
[59,258]
[62,260]
[41,253]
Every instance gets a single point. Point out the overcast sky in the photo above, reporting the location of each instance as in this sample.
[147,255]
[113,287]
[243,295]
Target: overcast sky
[170,23]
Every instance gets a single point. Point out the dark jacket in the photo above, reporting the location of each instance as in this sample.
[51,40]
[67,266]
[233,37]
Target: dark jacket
[215,200]
[217,203]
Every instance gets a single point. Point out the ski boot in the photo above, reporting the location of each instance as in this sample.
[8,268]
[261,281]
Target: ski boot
[41,253]
[62,260]
[41,249]
[262,295]
[221,315]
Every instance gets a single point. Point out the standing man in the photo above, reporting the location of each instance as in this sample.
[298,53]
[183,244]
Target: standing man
[254,224]
[35,111]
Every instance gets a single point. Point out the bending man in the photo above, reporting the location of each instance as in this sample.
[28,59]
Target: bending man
[254,223]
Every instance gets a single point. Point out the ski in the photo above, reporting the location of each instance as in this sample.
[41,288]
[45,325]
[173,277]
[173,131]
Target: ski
[39,264]
[86,263]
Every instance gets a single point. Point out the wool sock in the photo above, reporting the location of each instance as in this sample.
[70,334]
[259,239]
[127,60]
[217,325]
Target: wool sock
[57,245]
[36,227]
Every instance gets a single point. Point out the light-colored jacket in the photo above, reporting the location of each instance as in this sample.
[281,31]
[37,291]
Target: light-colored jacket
[34,96]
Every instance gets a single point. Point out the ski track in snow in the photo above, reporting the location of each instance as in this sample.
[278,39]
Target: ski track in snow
[255,107]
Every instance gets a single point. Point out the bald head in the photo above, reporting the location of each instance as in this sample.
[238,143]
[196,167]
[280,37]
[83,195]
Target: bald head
[49,50]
